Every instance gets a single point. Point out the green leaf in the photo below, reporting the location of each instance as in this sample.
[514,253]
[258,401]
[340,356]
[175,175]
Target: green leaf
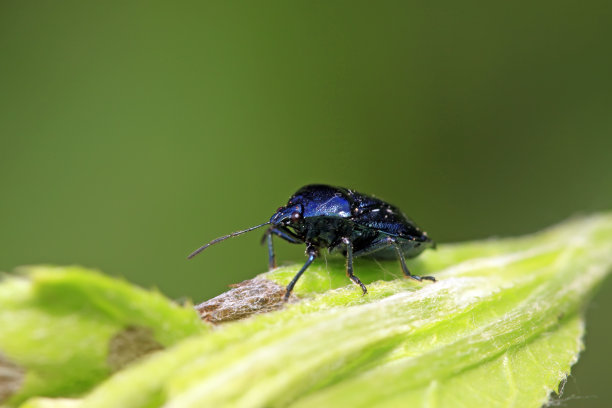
[64,330]
[501,328]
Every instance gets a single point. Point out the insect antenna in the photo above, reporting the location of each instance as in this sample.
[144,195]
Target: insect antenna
[223,238]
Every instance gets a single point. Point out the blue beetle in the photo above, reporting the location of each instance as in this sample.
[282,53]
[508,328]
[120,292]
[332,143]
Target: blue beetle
[341,220]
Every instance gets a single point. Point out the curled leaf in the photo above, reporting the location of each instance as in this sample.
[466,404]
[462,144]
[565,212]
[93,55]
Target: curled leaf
[501,328]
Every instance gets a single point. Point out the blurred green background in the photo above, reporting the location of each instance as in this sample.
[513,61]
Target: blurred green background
[131,133]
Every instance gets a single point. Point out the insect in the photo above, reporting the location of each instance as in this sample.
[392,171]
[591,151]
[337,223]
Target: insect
[341,220]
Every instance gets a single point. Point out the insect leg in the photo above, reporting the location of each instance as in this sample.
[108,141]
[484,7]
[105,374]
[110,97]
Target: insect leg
[400,255]
[349,265]
[271,256]
[281,234]
[268,237]
[285,236]
[312,254]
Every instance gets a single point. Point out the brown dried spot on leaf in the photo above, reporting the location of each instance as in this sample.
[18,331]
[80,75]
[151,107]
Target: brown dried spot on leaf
[11,377]
[246,298]
[130,344]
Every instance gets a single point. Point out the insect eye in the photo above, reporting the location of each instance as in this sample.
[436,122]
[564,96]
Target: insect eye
[295,216]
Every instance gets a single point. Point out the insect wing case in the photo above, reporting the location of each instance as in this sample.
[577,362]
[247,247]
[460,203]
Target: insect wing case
[380,215]
[376,220]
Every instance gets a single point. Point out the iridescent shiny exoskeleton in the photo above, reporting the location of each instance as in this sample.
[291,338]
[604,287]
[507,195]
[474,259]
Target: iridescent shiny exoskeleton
[342,220]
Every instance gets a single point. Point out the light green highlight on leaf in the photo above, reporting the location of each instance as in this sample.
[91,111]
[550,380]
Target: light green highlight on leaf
[51,403]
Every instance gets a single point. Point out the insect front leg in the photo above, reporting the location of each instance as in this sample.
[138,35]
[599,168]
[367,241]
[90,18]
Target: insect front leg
[268,236]
[400,255]
[271,255]
[312,254]
[349,265]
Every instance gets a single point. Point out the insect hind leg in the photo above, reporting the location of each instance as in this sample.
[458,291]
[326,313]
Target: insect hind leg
[349,265]
[402,259]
